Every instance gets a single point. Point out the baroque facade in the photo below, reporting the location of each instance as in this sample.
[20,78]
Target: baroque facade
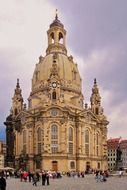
[56,131]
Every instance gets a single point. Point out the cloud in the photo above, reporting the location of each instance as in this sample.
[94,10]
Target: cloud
[23,38]
[97,37]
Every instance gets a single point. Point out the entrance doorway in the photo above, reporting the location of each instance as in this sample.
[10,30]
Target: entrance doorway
[54,165]
[87,167]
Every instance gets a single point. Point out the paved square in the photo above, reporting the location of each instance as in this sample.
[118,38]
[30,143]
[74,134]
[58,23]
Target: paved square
[87,183]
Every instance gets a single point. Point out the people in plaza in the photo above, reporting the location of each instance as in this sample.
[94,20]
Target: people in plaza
[21,176]
[2,182]
[47,177]
[38,176]
[30,176]
[100,176]
[35,179]
[25,174]
[43,177]
[97,176]
[120,173]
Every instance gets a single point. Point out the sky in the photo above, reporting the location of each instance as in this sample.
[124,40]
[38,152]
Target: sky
[96,37]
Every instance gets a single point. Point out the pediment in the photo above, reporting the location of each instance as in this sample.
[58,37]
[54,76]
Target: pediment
[89,116]
[23,114]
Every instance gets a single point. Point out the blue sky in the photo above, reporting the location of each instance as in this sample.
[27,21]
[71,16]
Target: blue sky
[96,37]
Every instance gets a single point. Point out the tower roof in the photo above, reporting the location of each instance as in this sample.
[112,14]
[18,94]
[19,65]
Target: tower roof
[56,22]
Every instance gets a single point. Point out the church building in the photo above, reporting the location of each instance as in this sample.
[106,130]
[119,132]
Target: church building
[57,131]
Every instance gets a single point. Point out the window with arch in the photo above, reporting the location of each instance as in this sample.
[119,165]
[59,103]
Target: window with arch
[52,37]
[97,111]
[24,142]
[87,141]
[54,138]
[70,140]
[16,111]
[97,144]
[39,143]
[72,165]
[54,95]
[60,38]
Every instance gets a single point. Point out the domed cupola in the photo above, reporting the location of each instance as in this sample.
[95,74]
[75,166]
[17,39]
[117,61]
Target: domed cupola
[56,22]
[56,37]
[57,72]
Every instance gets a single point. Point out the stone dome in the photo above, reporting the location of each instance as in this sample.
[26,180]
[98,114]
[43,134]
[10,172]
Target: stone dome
[67,71]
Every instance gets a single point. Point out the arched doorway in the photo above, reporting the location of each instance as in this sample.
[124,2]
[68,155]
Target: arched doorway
[54,165]
[87,167]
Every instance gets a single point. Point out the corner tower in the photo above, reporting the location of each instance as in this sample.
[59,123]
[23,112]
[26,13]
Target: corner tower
[17,100]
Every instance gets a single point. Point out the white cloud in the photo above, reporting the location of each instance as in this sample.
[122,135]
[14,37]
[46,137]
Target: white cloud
[23,38]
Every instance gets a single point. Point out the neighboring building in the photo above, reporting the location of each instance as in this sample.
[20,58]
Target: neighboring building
[56,132]
[123,147]
[112,144]
[117,153]
[2,154]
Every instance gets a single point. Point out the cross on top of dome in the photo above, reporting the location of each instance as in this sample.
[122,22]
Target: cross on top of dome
[56,22]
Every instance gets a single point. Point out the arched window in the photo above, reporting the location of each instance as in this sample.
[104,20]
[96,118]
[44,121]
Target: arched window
[39,143]
[97,144]
[87,141]
[70,134]
[52,37]
[24,142]
[16,111]
[54,95]
[54,138]
[72,165]
[96,111]
[60,38]
[24,136]
[70,140]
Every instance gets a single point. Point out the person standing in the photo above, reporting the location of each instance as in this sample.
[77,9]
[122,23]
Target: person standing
[43,177]
[47,177]
[2,182]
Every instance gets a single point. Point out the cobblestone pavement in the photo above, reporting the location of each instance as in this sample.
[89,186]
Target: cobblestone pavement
[87,183]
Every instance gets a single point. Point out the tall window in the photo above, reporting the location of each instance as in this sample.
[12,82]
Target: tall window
[52,37]
[60,38]
[54,138]
[97,144]
[16,111]
[87,141]
[70,140]
[39,145]
[24,142]
[54,95]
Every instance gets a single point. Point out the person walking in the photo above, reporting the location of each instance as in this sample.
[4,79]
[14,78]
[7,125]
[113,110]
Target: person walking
[2,182]
[35,179]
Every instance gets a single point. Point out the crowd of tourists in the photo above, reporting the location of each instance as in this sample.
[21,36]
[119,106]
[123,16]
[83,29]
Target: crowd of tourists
[44,176]
[101,176]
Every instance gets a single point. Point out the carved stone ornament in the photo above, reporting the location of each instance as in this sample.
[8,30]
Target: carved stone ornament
[18,125]
[54,70]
